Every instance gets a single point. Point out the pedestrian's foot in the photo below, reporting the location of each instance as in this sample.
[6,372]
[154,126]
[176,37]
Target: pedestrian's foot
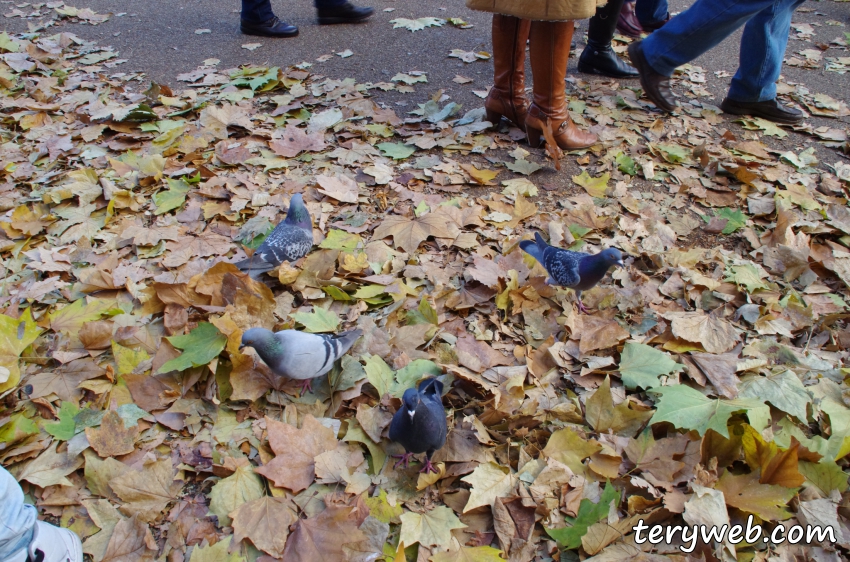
[344,13]
[271,28]
[404,460]
[655,86]
[604,62]
[627,23]
[54,544]
[771,110]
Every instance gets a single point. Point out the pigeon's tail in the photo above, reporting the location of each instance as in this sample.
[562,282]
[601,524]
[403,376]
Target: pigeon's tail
[534,249]
[345,340]
[254,266]
[432,387]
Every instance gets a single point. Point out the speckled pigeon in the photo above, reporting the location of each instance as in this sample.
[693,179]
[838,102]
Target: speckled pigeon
[299,355]
[290,240]
[420,424]
[576,270]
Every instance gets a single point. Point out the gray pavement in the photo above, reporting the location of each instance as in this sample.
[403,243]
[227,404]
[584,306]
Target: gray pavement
[158,38]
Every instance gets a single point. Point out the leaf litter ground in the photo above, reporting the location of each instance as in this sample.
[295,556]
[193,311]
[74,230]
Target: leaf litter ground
[707,384]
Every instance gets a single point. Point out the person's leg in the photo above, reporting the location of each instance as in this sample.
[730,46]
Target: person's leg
[598,57]
[257,11]
[259,19]
[549,48]
[753,89]
[762,51]
[507,96]
[17,519]
[652,14]
[697,30]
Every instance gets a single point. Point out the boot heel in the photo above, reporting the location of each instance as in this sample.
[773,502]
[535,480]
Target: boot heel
[533,136]
[494,117]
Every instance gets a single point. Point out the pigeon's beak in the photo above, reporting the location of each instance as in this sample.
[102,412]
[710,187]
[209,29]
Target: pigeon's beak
[243,346]
[619,263]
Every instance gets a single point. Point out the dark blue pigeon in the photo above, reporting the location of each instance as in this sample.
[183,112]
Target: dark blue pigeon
[420,424]
[576,270]
[290,240]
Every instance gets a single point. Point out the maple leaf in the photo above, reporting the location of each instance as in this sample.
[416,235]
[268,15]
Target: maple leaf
[294,466]
[112,438]
[408,234]
[746,493]
[431,528]
[687,408]
[342,188]
[489,481]
[147,491]
[641,365]
[588,513]
[603,416]
[294,140]
[323,536]
[229,493]
[265,522]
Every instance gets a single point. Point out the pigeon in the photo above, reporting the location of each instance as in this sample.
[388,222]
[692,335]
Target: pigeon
[576,270]
[299,355]
[420,424]
[290,240]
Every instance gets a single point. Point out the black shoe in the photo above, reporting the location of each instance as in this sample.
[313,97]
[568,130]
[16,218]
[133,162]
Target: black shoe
[771,110]
[605,62]
[271,28]
[655,86]
[344,13]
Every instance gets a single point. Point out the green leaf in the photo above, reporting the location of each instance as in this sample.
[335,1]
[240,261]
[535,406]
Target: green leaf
[171,199]
[396,150]
[17,428]
[337,294]
[522,166]
[783,390]
[747,275]
[8,44]
[595,187]
[200,346]
[229,493]
[408,376]
[319,320]
[380,508]
[759,124]
[341,240]
[641,365]
[63,430]
[687,408]
[826,475]
[126,359]
[379,374]
[736,219]
[588,514]
[16,334]
[417,24]
[673,153]
[626,164]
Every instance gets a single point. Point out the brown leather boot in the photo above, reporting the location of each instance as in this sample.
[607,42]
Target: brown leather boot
[548,116]
[507,96]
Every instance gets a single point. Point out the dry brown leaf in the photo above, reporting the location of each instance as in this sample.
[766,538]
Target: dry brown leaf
[265,522]
[294,466]
[112,439]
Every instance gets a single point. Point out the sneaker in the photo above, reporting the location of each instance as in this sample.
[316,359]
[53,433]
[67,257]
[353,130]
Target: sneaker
[54,544]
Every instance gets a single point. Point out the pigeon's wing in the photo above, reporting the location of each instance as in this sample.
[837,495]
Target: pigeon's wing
[312,355]
[563,265]
[285,243]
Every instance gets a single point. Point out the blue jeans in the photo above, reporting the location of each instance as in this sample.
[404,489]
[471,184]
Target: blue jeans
[651,11]
[259,11]
[17,519]
[708,22]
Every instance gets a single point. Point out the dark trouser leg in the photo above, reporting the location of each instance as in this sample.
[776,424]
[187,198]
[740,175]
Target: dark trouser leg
[257,11]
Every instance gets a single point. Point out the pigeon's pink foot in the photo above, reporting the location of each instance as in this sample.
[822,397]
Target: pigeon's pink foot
[429,467]
[404,460]
[583,309]
[306,386]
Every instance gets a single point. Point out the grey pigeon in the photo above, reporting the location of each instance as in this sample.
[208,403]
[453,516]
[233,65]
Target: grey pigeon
[290,240]
[420,424]
[576,270]
[299,355]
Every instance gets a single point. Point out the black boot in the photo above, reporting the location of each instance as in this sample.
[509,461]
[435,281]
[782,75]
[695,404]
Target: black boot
[344,13]
[605,62]
[271,28]
[598,57]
